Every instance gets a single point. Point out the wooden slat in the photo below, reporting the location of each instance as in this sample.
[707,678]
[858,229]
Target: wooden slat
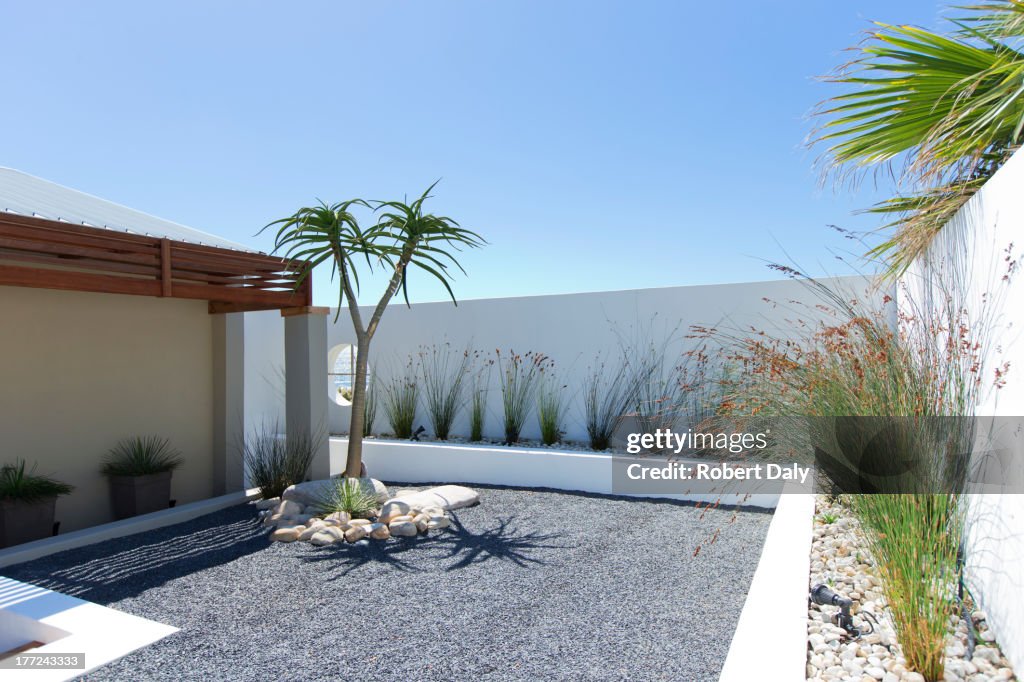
[236,294]
[68,280]
[152,266]
[76,262]
[97,253]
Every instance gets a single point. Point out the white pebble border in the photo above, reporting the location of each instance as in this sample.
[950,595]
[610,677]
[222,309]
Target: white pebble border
[840,559]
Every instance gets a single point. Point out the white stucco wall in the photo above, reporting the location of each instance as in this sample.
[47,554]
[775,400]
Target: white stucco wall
[79,371]
[977,248]
[573,329]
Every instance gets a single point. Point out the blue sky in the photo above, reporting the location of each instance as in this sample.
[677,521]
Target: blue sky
[595,145]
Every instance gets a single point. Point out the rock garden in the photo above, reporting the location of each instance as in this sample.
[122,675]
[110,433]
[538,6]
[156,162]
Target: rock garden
[340,510]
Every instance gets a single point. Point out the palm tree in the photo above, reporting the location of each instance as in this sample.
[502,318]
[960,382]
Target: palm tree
[403,236]
[948,109]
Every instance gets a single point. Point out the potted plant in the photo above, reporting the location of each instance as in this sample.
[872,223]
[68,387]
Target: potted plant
[140,471]
[27,504]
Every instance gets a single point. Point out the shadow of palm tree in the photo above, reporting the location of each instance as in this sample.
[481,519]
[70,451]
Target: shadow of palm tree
[503,542]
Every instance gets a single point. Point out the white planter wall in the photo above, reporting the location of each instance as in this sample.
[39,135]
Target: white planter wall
[573,329]
[414,463]
[978,242]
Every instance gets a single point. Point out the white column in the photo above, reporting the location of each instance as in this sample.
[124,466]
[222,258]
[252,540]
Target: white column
[228,401]
[305,361]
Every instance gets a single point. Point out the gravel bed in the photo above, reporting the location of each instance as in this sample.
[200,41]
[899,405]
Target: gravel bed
[528,585]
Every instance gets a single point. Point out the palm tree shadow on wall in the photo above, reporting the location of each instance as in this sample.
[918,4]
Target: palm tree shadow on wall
[126,567]
[464,548]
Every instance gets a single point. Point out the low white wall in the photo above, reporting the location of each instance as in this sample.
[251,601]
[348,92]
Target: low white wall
[79,371]
[978,248]
[572,329]
[409,462]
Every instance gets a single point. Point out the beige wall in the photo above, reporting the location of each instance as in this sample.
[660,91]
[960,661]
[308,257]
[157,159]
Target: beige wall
[79,371]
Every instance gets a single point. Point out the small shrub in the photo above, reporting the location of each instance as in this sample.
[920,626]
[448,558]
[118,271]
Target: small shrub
[607,396]
[828,518]
[27,486]
[348,495]
[518,375]
[401,394]
[443,381]
[370,406]
[550,410]
[275,462]
[141,456]
[478,397]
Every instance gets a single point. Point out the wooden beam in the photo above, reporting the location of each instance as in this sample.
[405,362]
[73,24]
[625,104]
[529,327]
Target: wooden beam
[165,267]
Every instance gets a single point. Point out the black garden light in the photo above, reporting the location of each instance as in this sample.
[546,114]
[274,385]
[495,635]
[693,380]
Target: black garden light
[824,596]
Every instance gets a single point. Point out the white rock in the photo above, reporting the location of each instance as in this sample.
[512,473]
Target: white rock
[355,533]
[986,653]
[875,672]
[268,503]
[438,522]
[311,531]
[320,539]
[392,509]
[446,497]
[421,521]
[359,522]
[405,529]
[400,519]
[289,508]
[311,493]
[339,517]
[913,676]
[891,677]
[286,534]
[406,491]
[379,531]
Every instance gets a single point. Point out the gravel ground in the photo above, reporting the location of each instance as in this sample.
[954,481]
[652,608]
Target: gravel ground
[529,585]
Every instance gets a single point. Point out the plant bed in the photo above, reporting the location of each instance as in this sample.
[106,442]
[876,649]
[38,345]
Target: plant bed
[840,559]
[338,511]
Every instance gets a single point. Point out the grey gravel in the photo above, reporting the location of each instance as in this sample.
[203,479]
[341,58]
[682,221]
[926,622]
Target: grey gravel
[529,585]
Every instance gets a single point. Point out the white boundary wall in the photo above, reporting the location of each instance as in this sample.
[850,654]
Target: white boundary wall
[573,329]
[977,242]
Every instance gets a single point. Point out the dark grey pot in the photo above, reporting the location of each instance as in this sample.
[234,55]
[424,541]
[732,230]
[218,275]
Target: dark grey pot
[22,521]
[134,495]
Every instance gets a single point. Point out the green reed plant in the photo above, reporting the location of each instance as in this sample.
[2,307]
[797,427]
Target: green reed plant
[518,375]
[479,386]
[349,495]
[370,414]
[914,539]
[273,462]
[896,387]
[141,456]
[444,377]
[400,396]
[18,484]
[609,391]
[551,405]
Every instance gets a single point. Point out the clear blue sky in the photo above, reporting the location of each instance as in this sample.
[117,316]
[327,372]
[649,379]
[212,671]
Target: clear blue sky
[596,145]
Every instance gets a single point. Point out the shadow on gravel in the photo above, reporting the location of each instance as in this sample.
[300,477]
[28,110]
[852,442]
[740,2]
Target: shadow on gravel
[125,567]
[503,543]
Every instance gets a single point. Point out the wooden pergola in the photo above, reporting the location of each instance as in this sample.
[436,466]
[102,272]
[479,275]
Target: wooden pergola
[48,254]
